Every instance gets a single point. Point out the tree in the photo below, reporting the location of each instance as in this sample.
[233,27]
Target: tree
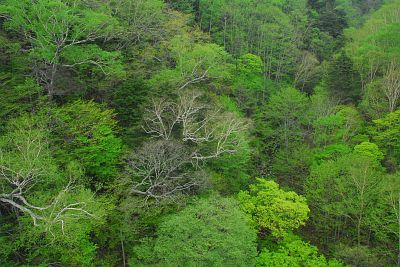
[374,103]
[86,132]
[292,251]
[306,71]
[194,63]
[374,47]
[387,134]
[340,127]
[189,133]
[369,150]
[343,193]
[391,85]
[140,20]
[273,210]
[211,232]
[60,36]
[343,80]
[272,30]
[358,256]
[285,113]
[249,82]
[332,20]
[190,120]
[386,221]
[281,127]
[162,169]
[35,192]
[19,93]
[186,6]
[26,161]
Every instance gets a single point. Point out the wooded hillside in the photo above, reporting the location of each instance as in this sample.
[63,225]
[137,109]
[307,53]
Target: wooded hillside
[200,133]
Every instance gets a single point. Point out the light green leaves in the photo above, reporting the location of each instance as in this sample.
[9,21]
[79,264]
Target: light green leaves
[294,252]
[273,209]
[387,133]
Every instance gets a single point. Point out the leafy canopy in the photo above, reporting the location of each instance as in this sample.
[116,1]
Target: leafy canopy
[272,208]
[212,232]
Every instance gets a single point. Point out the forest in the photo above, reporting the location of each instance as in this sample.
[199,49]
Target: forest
[200,133]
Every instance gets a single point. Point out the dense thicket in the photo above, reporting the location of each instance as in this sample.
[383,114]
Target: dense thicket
[200,133]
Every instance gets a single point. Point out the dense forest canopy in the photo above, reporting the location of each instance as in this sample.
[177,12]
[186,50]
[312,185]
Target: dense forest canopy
[200,133]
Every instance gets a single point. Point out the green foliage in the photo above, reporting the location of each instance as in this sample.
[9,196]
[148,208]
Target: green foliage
[128,101]
[210,232]
[375,47]
[249,82]
[347,187]
[139,21]
[358,256]
[340,127]
[292,251]
[343,81]
[249,69]
[331,152]
[230,173]
[47,20]
[284,116]
[292,170]
[56,215]
[273,209]
[200,95]
[193,63]
[374,103]
[24,148]
[266,29]
[70,245]
[186,6]
[281,125]
[60,36]
[387,134]
[86,132]
[369,150]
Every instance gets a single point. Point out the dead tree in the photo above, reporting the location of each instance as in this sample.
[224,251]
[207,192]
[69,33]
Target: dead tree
[191,121]
[163,168]
[187,133]
[306,70]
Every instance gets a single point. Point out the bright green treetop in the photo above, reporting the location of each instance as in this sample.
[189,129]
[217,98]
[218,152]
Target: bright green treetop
[294,252]
[272,208]
[387,133]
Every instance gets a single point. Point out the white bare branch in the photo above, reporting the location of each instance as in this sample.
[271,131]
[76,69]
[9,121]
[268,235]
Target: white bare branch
[189,132]
[391,85]
[161,169]
[23,167]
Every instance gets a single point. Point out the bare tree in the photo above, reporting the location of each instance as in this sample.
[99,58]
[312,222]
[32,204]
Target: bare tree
[391,85]
[196,75]
[306,69]
[189,132]
[163,168]
[192,121]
